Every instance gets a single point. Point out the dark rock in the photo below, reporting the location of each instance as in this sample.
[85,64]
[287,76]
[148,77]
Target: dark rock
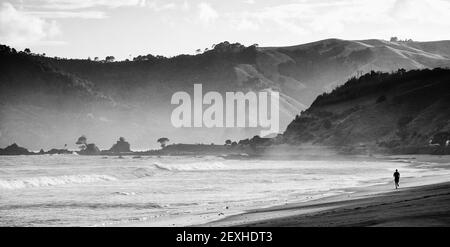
[14,149]
[87,149]
[121,146]
[59,151]
[90,149]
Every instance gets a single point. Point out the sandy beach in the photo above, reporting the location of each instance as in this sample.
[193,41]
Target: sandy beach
[419,202]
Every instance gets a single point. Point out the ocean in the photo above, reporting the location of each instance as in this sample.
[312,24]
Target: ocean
[73,190]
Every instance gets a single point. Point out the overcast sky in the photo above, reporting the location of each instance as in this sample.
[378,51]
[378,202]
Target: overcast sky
[127,28]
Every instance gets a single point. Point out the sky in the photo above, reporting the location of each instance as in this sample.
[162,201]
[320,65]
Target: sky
[128,28]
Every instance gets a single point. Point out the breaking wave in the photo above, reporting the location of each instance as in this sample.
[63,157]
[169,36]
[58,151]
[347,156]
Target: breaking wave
[53,180]
[214,166]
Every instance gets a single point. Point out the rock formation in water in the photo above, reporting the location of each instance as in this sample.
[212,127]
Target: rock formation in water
[87,149]
[121,146]
[14,149]
[90,149]
[58,151]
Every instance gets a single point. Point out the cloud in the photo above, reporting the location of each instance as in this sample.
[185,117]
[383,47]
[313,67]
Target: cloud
[19,28]
[423,11]
[56,9]
[246,24]
[82,4]
[104,119]
[156,6]
[336,17]
[207,14]
[69,14]
[186,5]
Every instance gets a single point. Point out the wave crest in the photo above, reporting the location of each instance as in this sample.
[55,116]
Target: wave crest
[53,180]
[214,166]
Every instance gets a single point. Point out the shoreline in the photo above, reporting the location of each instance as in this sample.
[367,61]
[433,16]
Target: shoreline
[421,201]
[355,197]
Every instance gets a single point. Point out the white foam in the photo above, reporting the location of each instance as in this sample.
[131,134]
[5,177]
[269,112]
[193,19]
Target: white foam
[52,181]
[206,166]
[125,193]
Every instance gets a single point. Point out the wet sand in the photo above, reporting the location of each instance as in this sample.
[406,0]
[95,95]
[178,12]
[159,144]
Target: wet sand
[419,202]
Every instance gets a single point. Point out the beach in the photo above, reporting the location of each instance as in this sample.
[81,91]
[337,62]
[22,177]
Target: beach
[423,202]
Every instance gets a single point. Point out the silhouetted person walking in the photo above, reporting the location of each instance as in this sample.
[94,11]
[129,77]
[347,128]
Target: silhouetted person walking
[396,178]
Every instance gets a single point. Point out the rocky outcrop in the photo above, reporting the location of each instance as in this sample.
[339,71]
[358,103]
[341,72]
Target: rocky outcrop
[58,151]
[87,149]
[90,149]
[121,146]
[15,149]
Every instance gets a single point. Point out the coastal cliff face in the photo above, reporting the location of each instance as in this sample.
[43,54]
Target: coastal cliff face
[398,112]
[45,102]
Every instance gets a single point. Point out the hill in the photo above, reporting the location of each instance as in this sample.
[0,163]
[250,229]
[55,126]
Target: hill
[40,103]
[64,98]
[395,112]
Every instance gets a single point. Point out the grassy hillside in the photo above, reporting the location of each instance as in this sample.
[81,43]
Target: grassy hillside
[42,104]
[397,112]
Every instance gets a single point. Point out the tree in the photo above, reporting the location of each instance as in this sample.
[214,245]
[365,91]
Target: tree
[82,141]
[109,59]
[163,141]
[394,39]
[228,142]
[27,50]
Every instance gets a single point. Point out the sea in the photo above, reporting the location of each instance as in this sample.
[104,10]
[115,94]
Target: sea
[74,190]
